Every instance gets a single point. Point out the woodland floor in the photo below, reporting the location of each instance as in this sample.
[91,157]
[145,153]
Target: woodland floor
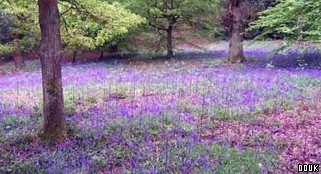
[192,114]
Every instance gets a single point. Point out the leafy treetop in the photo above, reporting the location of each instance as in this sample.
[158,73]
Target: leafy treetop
[85,24]
[292,19]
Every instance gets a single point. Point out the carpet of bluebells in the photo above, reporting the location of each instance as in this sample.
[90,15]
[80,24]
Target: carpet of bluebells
[193,114]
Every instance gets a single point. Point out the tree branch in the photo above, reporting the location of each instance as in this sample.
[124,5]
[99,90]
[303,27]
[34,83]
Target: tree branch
[157,26]
[65,24]
[61,14]
[81,9]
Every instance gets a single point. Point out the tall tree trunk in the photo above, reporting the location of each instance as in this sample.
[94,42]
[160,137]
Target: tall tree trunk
[50,56]
[236,54]
[19,60]
[169,31]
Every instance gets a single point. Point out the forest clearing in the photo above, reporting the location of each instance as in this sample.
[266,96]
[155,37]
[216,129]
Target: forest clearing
[159,86]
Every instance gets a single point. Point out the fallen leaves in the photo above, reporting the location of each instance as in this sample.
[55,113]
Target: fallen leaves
[297,138]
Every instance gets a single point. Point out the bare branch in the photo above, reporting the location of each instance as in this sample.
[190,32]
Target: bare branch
[61,14]
[65,24]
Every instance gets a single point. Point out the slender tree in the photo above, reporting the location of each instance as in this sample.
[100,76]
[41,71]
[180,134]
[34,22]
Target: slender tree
[163,15]
[166,16]
[50,56]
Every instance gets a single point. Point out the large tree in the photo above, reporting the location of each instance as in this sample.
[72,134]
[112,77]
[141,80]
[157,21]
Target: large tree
[50,56]
[237,16]
[236,54]
[88,24]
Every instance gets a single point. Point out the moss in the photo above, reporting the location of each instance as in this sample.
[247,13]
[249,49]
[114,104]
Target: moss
[52,88]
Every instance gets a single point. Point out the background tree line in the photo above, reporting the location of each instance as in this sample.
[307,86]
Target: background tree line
[109,24]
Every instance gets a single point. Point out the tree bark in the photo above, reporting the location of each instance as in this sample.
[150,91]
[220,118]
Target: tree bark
[170,52]
[50,56]
[236,54]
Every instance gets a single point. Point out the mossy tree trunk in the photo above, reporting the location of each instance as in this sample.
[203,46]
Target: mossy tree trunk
[236,54]
[50,53]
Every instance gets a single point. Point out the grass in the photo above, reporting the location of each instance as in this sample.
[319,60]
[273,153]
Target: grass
[110,145]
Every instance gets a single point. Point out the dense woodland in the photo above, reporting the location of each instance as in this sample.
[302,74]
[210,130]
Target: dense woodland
[159,86]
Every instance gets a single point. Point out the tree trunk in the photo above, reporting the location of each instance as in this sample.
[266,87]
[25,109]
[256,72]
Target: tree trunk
[169,31]
[236,54]
[74,57]
[50,56]
[101,55]
[113,51]
[19,60]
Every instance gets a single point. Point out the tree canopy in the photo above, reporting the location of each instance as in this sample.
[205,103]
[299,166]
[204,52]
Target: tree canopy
[292,19]
[84,24]
[165,16]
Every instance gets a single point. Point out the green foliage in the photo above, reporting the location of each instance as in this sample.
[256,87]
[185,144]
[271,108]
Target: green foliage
[96,24]
[84,24]
[293,19]
[6,49]
[162,13]
[25,29]
[164,16]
